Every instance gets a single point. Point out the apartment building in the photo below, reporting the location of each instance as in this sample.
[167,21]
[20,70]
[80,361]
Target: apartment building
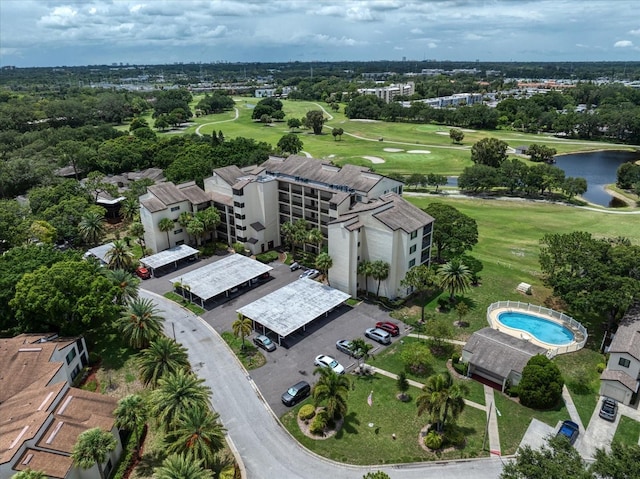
[41,415]
[388,93]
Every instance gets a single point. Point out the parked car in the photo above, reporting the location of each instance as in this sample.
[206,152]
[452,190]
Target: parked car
[310,273]
[325,361]
[143,272]
[294,266]
[345,346]
[378,335]
[389,327]
[264,342]
[609,409]
[296,393]
[570,430]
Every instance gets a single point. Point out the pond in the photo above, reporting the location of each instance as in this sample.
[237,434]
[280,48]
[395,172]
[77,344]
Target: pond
[598,168]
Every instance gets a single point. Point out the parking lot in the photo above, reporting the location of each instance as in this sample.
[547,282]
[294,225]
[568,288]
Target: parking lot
[286,366]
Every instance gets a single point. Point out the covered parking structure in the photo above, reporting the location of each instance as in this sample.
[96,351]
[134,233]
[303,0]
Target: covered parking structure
[168,256]
[220,277]
[292,307]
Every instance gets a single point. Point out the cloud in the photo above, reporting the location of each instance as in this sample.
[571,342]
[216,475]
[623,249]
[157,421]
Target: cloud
[623,44]
[634,32]
[416,31]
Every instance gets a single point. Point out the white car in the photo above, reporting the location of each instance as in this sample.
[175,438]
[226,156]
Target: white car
[325,361]
[310,273]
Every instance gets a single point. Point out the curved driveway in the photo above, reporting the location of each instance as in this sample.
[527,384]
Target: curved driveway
[266,449]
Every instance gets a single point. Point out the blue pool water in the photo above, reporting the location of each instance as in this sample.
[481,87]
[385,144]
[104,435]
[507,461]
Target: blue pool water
[546,331]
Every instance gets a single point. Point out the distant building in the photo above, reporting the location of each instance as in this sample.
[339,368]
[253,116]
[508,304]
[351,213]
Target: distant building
[41,415]
[388,93]
[455,100]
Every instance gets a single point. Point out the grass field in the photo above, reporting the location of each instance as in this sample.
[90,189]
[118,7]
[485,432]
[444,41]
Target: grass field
[628,431]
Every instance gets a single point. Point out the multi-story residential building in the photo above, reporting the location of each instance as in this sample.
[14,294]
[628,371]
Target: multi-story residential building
[457,99]
[621,379]
[254,203]
[41,415]
[166,200]
[388,93]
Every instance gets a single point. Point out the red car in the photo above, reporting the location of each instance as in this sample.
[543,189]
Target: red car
[143,273]
[389,327]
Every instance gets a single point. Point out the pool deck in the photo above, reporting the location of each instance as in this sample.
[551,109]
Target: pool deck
[495,323]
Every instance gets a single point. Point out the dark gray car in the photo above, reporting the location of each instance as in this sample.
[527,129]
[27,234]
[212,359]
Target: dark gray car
[296,393]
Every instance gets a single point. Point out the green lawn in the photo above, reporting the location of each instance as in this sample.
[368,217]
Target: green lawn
[249,355]
[628,431]
[358,443]
[194,308]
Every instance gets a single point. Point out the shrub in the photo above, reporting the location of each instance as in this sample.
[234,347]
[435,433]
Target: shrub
[268,257]
[94,358]
[433,440]
[417,358]
[319,423]
[443,304]
[91,385]
[601,367]
[541,384]
[455,357]
[454,436]
[307,412]
[238,247]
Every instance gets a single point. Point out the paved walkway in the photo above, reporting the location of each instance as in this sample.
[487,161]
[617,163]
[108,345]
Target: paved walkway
[492,422]
[571,408]
[422,336]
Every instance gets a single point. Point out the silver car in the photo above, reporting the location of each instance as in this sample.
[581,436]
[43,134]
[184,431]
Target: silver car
[378,335]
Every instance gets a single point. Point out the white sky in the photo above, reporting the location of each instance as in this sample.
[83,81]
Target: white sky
[74,32]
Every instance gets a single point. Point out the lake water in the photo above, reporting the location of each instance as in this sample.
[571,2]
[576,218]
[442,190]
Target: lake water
[597,167]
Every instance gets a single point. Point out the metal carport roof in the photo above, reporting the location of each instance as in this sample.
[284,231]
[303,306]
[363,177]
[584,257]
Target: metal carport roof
[100,252]
[293,306]
[168,256]
[220,276]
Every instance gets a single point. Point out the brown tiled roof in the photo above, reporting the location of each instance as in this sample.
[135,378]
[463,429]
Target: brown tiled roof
[500,353]
[220,198]
[621,377]
[627,338]
[80,405]
[153,204]
[194,193]
[229,174]
[359,178]
[168,193]
[403,215]
[56,465]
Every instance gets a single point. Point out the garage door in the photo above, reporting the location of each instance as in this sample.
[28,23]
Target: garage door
[488,375]
[615,391]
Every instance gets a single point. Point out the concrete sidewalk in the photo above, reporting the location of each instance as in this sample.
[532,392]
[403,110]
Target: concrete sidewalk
[492,422]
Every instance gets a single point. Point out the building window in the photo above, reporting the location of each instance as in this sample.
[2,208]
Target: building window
[414,234]
[178,243]
[239,216]
[177,232]
[175,208]
[71,355]
[624,362]
[412,263]
[237,204]
[412,249]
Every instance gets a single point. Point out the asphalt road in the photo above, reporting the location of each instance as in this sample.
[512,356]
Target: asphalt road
[264,447]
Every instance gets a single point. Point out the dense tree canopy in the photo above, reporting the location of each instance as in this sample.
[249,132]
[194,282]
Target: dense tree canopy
[541,383]
[453,231]
[489,151]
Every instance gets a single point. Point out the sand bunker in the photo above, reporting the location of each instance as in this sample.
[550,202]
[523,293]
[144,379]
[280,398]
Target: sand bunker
[442,133]
[393,150]
[365,120]
[374,159]
[426,152]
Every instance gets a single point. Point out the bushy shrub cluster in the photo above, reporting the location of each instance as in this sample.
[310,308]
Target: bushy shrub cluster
[307,412]
[541,383]
[319,423]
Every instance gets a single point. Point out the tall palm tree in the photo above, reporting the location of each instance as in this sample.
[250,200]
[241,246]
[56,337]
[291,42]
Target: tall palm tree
[91,226]
[379,272]
[119,256]
[180,467]
[176,394]
[131,414]
[324,262]
[166,225]
[364,269]
[287,230]
[443,400]
[127,283]
[332,390]
[314,237]
[197,435]
[184,218]
[361,348]
[163,356]
[136,229]
[129,208]
[92,448]
[242,327]
[454,277]
[140,323]
[210,218]
[196,228]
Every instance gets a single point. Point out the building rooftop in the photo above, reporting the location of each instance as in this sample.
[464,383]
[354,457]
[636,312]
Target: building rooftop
[194,193]
[167,193]
[627,337]
[168,256]
[56,465]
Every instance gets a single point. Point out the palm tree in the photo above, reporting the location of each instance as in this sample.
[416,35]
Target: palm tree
[29,474]
[454,277]
[166,225]
[314,237]
[180,467]
[364,269]
[210,218]
[140,323]
[136,229]
[176,394]
[324,262]
[127,284]
[196,228]
[242,327]
[198,435]
[361,349]
[288,232]
[333,390]
[403,386]
[442,399]
[119,256]
[131,414]
[163,356]
[91,226]
[92,448]
[184,218]
[129,208]
[379,271]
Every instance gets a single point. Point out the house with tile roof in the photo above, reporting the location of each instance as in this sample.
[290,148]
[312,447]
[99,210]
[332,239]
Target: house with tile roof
[621,379]
[41,415]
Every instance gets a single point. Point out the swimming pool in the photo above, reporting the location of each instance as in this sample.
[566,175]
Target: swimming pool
[542,329]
